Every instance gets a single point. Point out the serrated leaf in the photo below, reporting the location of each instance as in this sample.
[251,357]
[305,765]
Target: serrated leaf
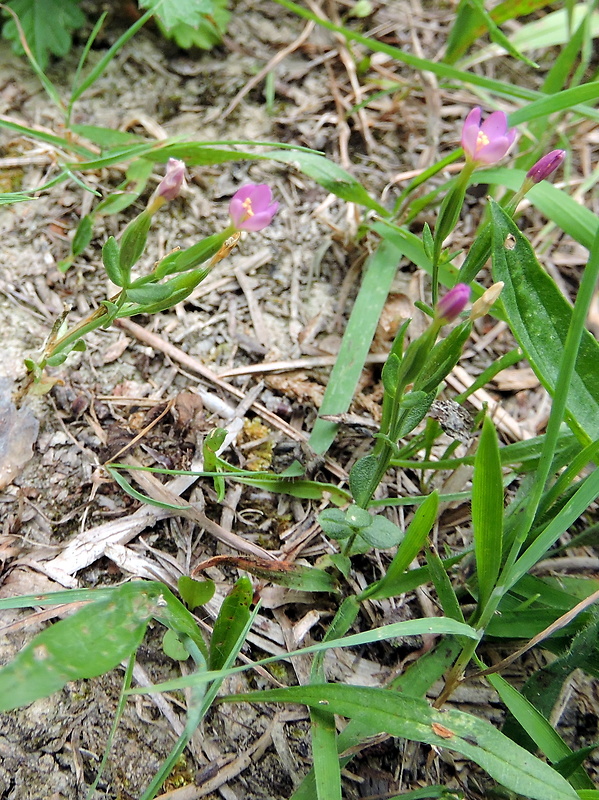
[205,34]
[411,718]
[47,25]
[175,12]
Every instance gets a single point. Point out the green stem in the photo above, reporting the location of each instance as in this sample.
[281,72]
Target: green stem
[558,408]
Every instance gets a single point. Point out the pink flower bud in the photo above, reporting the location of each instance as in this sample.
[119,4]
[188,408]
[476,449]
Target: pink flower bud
[489,142]
[454,302]
[174,178]
[546,165]
[252,207]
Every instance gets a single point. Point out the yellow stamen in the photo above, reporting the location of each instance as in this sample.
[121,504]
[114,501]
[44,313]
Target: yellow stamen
[247,204]
[482,140]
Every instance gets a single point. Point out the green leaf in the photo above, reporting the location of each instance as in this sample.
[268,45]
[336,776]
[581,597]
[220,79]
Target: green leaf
[357,339]
[361,476]
[231,621]
[111,259]
[174,12]
[330,176]
[546,738]
[412,543]
[83,235]
[206,33]
[358,517]
[93,640]
[195,593]
[150,293]
[498,37]
[414,719]
[576,220]
[334,524]
[56,360]
[539,317]
[325,753]
[193,256]
[390,373]
[47,25]
[487,511]
[105,137]
[382,533]
[417,407]
[442,358]
[173,646]
[133,241]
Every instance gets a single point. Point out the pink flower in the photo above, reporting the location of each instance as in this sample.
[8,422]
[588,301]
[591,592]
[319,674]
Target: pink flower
[170,186]
[546,165]
[454,302]
[252,207]
[489,142]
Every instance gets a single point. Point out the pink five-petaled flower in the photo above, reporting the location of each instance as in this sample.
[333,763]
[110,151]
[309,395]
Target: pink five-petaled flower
[174,178]
[489,142]
[546,165]
[252,207]
[454,302]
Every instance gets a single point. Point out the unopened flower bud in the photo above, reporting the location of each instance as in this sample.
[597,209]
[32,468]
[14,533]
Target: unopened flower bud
[454,302]
[546,165]
[173,181]
[485,302]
